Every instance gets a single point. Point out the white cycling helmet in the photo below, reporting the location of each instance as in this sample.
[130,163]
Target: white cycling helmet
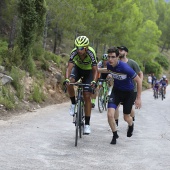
[164,76]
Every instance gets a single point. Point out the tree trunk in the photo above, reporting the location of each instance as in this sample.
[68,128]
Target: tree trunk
[76,35]
[12,33]
[163,47]
[45,30]
[168,47]
[55,38]
[97,46]
[104,49]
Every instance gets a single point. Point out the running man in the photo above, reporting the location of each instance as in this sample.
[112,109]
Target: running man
[122,91]
[82,63]
[123,52]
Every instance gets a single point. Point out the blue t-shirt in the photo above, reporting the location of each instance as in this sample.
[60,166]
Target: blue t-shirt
[123,75]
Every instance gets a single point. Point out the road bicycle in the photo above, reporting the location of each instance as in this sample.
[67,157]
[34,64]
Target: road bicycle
[155,93]
[103,95]
[79,118]
[162,91]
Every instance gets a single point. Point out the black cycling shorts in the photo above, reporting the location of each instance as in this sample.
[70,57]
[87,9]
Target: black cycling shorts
[87,75]
[134,97]
[124,97]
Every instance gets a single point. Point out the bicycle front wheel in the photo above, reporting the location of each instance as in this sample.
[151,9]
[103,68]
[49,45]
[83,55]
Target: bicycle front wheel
[81,118]
[162,93]
[101,100]
[154,93]
[106,98]
[76,125]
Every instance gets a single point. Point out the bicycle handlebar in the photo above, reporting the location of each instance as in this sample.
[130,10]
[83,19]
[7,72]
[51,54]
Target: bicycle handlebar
[79,85]
[104,80]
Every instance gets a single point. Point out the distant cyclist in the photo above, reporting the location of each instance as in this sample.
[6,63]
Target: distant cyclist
[163,82]
[102,64]
[82,63]
[153,79]
[156,85]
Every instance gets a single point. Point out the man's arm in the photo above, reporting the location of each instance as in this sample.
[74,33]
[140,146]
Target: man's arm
[139,91]
[95,73]
[68,70]
[140,74]
[103,70]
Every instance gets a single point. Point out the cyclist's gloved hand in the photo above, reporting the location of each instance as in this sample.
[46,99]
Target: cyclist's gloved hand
[93,84]
[66,81]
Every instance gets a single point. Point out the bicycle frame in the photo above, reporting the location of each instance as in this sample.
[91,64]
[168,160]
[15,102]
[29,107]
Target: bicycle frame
[162,92]
[103,95]
[155,93]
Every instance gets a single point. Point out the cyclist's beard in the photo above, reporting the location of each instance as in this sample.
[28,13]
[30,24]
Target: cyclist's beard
[82,54]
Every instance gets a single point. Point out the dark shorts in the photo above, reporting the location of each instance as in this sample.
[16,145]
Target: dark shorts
[87,75]
[134,98]
[127,99]
[156,87]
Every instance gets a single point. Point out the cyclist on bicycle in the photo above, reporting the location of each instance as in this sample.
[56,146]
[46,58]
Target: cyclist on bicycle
[102,64]
[163,83]
[156,85]
[82,63]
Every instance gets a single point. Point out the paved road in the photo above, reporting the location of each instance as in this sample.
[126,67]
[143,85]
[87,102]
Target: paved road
[44,140]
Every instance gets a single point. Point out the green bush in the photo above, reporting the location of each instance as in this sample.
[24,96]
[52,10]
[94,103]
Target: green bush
[153,67]
[7,98]
[31,67]
[10,57]
[51,56]
[3,49]
[38,52]
[37,95]
[163,61]
[17,76]
[45,65]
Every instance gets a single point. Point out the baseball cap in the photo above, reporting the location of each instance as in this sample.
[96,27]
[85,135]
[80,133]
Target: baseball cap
[123,48]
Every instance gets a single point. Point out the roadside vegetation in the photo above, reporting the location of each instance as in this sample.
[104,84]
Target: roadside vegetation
[34,33]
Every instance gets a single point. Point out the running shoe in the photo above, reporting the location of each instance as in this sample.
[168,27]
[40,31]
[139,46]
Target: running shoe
[130,130]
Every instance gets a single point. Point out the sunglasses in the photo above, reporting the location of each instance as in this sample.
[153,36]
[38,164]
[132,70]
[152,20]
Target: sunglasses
[80,48]
[111,56]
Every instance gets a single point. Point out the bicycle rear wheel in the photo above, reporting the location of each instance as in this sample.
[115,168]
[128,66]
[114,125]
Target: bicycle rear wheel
[101,100]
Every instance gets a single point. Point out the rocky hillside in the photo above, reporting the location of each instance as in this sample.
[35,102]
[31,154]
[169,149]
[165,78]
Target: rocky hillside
[52,88]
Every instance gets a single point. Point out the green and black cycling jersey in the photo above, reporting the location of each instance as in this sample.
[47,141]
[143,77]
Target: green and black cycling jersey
[88,62]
